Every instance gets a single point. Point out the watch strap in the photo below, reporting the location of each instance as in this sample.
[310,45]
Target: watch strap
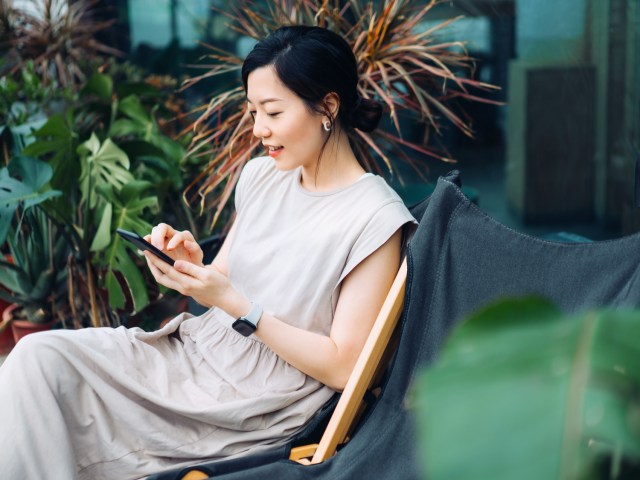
[254,315]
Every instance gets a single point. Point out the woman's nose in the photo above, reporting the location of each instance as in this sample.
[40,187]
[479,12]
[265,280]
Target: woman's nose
[260,130]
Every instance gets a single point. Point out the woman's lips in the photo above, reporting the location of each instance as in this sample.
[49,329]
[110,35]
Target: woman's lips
[275,152]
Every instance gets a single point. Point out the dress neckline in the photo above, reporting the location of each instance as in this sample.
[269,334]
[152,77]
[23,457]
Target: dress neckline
[298,185]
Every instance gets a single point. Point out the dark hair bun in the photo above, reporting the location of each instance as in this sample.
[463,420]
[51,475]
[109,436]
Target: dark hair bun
[366,114]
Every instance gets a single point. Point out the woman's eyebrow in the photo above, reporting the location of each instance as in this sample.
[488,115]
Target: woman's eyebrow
[266,100]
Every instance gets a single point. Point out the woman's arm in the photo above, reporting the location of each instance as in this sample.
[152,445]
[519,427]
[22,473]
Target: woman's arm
[328,359]
[331,359]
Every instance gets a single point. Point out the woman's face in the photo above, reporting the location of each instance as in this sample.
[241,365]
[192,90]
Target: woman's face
[292,135]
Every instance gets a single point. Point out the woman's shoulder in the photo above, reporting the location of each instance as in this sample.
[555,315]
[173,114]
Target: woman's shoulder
[374,201]
[376,192]
[386,201]
[383,190]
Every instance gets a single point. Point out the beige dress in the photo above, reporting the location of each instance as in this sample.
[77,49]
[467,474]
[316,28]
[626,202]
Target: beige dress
[124,403]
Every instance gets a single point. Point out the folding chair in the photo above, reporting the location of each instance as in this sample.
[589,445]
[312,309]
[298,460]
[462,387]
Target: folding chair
[363,384]
[457,261]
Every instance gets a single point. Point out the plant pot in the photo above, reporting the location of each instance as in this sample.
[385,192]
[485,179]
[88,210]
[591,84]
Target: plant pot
[6,333]
[20,328]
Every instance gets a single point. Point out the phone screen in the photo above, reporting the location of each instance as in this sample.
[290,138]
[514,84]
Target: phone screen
[142,244]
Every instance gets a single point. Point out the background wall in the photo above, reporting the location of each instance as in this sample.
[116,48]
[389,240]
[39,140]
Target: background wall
[559,154]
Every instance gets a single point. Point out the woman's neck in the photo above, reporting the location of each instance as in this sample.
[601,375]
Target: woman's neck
[338,167]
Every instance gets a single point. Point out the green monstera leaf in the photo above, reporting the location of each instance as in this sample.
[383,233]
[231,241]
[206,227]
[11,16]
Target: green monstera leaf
[522,391]
[57,140]
[101,164]
[30,189]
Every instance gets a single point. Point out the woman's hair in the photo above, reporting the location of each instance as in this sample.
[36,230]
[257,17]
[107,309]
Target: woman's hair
[314,62]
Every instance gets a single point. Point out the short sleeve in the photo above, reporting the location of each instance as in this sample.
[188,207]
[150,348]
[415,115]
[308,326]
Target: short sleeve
[381,226]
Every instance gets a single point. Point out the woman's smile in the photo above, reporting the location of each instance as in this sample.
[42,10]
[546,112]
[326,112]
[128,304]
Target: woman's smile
[274,151]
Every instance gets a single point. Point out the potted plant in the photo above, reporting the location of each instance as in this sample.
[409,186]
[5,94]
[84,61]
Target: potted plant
[32,276]
[108,142]
[113,163]
[36,280]
[6,335]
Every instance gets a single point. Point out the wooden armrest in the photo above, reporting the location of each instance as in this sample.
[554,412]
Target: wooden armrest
[367,365]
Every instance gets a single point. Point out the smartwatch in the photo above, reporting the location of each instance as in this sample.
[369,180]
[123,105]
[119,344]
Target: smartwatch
[248,323]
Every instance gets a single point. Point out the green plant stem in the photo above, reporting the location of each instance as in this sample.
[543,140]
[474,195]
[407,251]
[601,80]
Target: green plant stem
[95,315]
[5,154]
[71,292]
[569,460]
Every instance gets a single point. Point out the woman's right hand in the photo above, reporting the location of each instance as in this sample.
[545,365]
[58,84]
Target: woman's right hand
[178,245]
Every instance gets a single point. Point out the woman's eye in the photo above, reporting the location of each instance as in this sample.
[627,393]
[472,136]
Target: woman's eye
[274,114]
[252,113]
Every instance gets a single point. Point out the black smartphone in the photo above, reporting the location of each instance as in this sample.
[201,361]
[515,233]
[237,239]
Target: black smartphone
[142,244]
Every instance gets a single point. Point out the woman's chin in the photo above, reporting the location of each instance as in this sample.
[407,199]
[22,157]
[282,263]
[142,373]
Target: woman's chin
[283,165]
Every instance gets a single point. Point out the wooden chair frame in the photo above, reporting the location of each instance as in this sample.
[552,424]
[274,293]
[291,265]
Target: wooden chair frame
[366,373]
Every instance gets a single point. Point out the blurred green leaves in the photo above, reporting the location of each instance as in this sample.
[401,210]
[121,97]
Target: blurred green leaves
[521,391]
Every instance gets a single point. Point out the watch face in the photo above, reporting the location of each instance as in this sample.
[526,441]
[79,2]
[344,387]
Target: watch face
[243,327]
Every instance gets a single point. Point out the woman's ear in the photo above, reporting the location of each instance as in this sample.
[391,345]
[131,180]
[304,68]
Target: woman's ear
[332,104]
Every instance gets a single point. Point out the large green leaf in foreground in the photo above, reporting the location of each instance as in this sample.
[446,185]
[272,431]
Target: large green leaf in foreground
[522,392]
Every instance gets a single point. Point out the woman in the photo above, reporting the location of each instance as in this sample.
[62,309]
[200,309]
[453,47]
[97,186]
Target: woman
[292,293]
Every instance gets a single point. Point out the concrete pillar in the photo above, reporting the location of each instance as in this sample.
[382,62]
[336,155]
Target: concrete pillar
[550,126]
[615,34]
[550,117]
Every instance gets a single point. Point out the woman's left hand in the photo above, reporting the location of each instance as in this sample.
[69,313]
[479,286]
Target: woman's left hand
[205,284]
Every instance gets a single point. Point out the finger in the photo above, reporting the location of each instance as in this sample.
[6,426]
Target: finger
[162,275]
[188,268]
[153,268]
[176,240]
[180,237]
[192,246]
[160,265]
[195,252]
[159,233]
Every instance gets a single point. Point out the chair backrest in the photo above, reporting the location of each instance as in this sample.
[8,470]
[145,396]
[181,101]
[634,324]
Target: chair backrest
[366,373]
[459,260]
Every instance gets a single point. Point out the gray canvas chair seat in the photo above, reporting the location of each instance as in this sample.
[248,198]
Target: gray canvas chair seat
[459,260]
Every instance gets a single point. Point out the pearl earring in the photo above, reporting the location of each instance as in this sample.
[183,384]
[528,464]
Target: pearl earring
[327,125]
